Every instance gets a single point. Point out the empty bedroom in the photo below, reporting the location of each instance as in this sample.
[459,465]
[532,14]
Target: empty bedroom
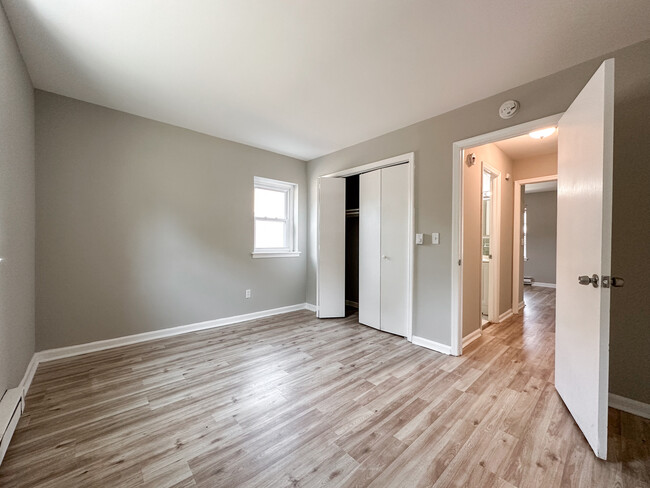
[271,243]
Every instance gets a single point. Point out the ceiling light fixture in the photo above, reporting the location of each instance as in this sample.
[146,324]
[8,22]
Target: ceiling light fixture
[542,133]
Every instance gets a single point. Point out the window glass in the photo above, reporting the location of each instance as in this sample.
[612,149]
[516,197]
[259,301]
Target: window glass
[270,204]
[270,234]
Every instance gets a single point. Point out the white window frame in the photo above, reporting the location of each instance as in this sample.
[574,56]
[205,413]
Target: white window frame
[291,227]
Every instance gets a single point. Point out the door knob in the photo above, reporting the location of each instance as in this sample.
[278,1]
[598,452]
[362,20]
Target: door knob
[384,257]
[585,280]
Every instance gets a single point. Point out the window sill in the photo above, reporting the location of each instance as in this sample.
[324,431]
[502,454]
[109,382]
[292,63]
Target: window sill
[273,254]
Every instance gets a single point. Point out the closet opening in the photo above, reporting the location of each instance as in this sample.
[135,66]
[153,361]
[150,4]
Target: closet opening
[365,245]
[352,244]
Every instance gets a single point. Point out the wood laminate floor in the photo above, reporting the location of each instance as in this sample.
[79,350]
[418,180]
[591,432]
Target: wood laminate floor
[293,401]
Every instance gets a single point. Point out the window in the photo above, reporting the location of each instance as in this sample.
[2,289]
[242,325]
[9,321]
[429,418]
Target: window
[275,218]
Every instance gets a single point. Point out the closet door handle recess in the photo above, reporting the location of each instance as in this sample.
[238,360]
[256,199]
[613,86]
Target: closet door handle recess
[385,257]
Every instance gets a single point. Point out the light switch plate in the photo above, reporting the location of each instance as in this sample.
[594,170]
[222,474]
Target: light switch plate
[435,238]
[419,238]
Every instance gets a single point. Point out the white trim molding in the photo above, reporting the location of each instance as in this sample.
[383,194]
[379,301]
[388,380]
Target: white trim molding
[29,376]
[433,345]
[517,236]
[543,285]
[505,315]
[628,405]
[494,277]
[311,307]
[521,306]
[269,254]
[471,337]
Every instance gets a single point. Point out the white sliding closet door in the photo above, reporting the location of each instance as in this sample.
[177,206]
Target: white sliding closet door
[394,248]
[370,248]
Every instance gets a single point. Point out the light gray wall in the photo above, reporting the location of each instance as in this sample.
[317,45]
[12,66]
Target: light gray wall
[432,140]
[541,235]
[16,211]
[143,226]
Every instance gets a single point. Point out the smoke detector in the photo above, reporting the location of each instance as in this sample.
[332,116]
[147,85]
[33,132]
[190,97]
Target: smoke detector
[508,109]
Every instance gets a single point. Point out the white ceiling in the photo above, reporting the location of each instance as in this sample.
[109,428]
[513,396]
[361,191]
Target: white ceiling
[540,187]
[308,77]
[526,147]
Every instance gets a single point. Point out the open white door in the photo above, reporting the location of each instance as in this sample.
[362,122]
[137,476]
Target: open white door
[584,224]
[330,293]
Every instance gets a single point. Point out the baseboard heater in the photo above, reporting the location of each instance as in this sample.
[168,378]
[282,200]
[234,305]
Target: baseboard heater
[528,280]
[11,406]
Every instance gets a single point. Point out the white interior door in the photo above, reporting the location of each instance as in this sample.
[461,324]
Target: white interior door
[394,249]
[330,293]
[584,218]
[370,248]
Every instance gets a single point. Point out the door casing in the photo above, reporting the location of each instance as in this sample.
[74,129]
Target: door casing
[495,243]
[457,214]
[517,236]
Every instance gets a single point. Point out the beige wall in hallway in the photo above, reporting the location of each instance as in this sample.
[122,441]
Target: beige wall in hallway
[534,167]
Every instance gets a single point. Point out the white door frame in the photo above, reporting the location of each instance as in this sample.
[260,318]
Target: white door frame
[495,242]
[408,158]
[516,238]
[457,214]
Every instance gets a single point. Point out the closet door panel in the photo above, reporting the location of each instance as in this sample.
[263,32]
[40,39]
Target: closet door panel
[330,284]
[394,248]
[369,249]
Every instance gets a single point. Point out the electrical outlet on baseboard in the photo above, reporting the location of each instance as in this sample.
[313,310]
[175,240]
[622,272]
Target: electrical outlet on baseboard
[248,293]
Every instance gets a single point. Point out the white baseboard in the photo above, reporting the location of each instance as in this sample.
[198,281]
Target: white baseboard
[436,346]
[505,315]
[311,307]
[544,285]
[29,376]
[521,306]
[471,337]
[64,352]
[628,405]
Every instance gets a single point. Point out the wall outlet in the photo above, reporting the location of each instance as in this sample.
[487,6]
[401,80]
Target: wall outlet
[419,238]
[248,293]
[435,238]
